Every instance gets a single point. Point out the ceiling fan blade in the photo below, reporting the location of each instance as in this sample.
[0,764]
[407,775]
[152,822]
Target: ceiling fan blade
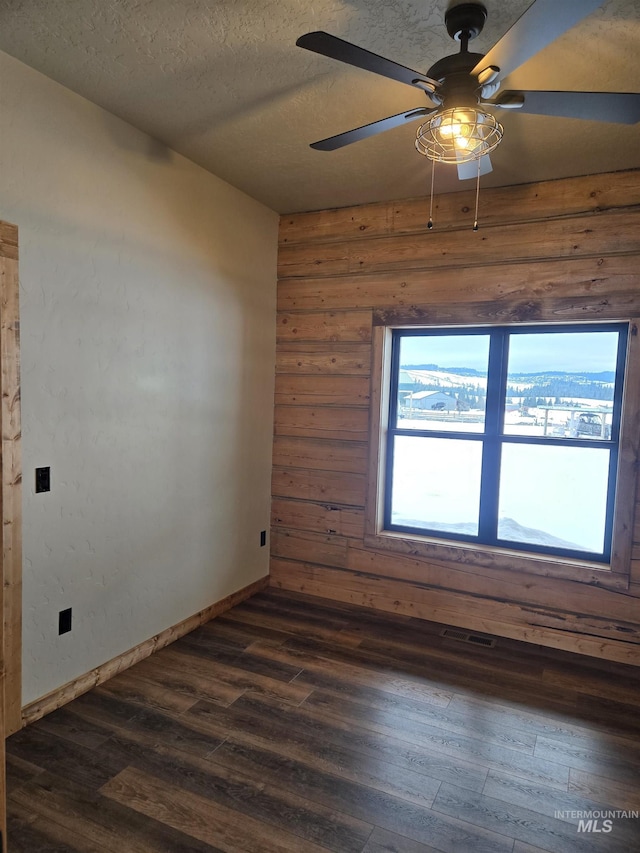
[358,133]
[543,22]
[469,170]
[344,51]
[619,107]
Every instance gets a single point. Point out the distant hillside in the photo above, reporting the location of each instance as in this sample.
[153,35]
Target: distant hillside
[607,376]
[552,384]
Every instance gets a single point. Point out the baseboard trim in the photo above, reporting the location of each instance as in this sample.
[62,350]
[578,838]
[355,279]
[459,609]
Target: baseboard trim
[61,695]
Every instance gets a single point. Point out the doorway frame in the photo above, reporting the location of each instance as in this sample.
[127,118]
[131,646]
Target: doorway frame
[11,478]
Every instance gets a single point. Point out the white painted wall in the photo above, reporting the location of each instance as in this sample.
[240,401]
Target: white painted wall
[148,339]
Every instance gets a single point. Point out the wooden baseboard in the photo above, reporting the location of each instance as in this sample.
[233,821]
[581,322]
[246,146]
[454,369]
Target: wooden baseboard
[61,695]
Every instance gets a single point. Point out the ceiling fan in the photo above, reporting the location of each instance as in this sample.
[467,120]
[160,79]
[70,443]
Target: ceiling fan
[462,87]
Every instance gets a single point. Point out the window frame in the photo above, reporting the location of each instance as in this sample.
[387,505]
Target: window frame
[493,437]
[613,574]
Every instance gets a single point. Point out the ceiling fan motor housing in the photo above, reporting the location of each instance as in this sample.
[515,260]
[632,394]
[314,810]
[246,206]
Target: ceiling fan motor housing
[465,21]
[454,72]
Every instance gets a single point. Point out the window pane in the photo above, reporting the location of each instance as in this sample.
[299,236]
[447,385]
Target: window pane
[561,384]
[442,382]
[554,496]
[436,484]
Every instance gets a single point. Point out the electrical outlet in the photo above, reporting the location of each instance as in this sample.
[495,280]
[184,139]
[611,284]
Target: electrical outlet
[43,479]
[263,538]
[64,621]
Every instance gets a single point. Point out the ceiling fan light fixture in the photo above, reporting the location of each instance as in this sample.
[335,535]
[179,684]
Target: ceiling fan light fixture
[458,135]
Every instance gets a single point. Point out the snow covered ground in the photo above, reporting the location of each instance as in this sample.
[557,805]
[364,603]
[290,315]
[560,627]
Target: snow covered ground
[548,495]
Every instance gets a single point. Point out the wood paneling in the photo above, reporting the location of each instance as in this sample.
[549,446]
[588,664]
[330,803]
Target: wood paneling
[325,549]
[318,517]
[319,486]
[320,453]
[339,326]
[515,586]
[558,251]
[556,310]
[350,424]
[607,233]
[597,276]
[590,194]
[326,390]
[323,358]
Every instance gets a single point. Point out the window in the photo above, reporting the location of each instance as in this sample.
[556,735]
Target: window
[506,436]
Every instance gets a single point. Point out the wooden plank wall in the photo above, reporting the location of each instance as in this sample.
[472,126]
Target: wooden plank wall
[572,238]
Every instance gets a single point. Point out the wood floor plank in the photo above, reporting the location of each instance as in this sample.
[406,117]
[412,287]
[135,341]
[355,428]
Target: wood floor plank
[609,712]
[240,676]
[619,764]
[448,653]
[383,841]
[256,665]
[382,679]
[88,815]
[226,628]
[29,834]
[19,771]
[215,640]
[296,627]
[180,654]
[104,710]
[470,749]
[199,817]
[604,790]
[600,684]
[408,717]
[547,722]
[63,758]
[295,616]
[131,687]
[341,753]
[246,794]
[368,804]
[189,680]
[521,847]
[381,747]
[70,727]
[447,673]
[153,727]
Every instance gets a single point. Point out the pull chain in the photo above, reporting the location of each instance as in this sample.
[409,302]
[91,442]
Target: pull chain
[475,221]
[433,171]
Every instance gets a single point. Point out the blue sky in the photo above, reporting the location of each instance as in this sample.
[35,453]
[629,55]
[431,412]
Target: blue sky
[589,352]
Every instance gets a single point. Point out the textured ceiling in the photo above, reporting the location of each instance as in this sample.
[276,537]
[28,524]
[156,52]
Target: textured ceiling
[222,82]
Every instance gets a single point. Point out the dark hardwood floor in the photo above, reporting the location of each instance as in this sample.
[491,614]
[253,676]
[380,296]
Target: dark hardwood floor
[297,724]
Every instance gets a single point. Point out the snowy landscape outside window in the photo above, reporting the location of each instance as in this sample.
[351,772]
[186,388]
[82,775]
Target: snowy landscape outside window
[506,436]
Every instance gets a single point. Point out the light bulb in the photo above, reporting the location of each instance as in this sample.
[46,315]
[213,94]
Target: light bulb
[463,143]
[449,130]
[458,135]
